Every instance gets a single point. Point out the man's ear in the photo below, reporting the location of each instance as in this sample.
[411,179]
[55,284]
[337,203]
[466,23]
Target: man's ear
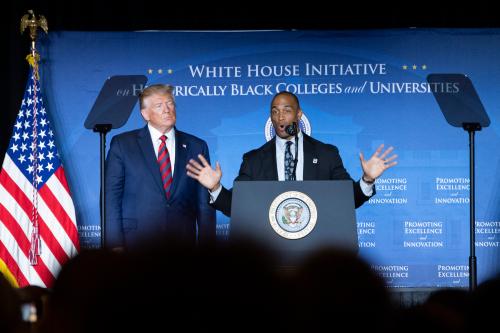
[145,114]
[299,114]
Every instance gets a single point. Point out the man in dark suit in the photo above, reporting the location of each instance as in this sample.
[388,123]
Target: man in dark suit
[272,161]
[149,197]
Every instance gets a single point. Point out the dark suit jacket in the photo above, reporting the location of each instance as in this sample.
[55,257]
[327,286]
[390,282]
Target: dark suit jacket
[138,211]
[260,164]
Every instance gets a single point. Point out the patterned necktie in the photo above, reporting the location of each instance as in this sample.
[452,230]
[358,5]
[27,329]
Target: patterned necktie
[289,162]
[165,165]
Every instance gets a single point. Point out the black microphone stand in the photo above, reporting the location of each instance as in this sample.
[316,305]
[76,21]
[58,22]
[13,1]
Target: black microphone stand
[296,159]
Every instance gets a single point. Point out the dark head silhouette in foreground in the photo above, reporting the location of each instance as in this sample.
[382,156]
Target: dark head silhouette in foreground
[240,287]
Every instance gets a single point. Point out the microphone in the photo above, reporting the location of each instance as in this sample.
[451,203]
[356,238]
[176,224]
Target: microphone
[292,129]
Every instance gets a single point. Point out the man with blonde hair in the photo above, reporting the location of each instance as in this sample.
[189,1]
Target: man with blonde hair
[150,199]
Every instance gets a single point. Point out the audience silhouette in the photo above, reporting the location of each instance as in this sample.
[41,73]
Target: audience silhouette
[236,286]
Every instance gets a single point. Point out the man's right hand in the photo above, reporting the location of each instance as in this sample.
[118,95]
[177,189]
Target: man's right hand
[204,173]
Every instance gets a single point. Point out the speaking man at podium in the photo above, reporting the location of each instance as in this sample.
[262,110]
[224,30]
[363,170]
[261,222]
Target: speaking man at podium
[291,155]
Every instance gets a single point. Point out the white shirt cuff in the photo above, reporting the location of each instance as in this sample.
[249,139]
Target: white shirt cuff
[215,194]
[367,189]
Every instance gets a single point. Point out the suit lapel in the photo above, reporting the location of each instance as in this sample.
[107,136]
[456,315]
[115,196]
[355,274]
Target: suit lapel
[181,148]
[269,161]
[148,152]
[311,161]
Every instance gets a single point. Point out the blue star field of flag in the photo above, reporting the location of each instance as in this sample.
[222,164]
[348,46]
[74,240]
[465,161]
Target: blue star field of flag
[33,148]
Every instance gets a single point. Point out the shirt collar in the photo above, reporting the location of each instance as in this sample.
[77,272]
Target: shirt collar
[282,142]
[155,134]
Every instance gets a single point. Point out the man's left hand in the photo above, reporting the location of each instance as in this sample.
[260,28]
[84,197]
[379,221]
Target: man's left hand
[378,163]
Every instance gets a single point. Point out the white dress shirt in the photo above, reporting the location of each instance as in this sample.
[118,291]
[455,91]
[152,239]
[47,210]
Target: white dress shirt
[280,156]
[155,137]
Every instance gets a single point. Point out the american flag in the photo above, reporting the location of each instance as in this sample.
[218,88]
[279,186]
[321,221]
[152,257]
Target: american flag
[38,232]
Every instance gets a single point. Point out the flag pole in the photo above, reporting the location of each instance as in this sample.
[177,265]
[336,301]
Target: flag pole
[33,24]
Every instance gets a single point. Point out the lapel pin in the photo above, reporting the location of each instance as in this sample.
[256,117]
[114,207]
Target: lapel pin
[184,145]
[315,161]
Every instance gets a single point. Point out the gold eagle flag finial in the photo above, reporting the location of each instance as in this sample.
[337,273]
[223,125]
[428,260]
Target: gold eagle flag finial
[33,23]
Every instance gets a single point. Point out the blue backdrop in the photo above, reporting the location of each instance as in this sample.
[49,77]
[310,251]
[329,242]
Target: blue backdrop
[358,89]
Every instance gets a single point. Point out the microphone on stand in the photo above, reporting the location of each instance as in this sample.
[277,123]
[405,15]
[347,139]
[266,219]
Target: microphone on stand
[293,129]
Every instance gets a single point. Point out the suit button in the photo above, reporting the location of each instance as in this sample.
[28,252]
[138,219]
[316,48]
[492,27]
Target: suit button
[168,205]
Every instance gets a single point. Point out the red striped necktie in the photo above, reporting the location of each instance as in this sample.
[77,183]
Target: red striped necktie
[165,165]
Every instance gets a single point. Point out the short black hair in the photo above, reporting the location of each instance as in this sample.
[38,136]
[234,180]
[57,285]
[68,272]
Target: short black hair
[288,94]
